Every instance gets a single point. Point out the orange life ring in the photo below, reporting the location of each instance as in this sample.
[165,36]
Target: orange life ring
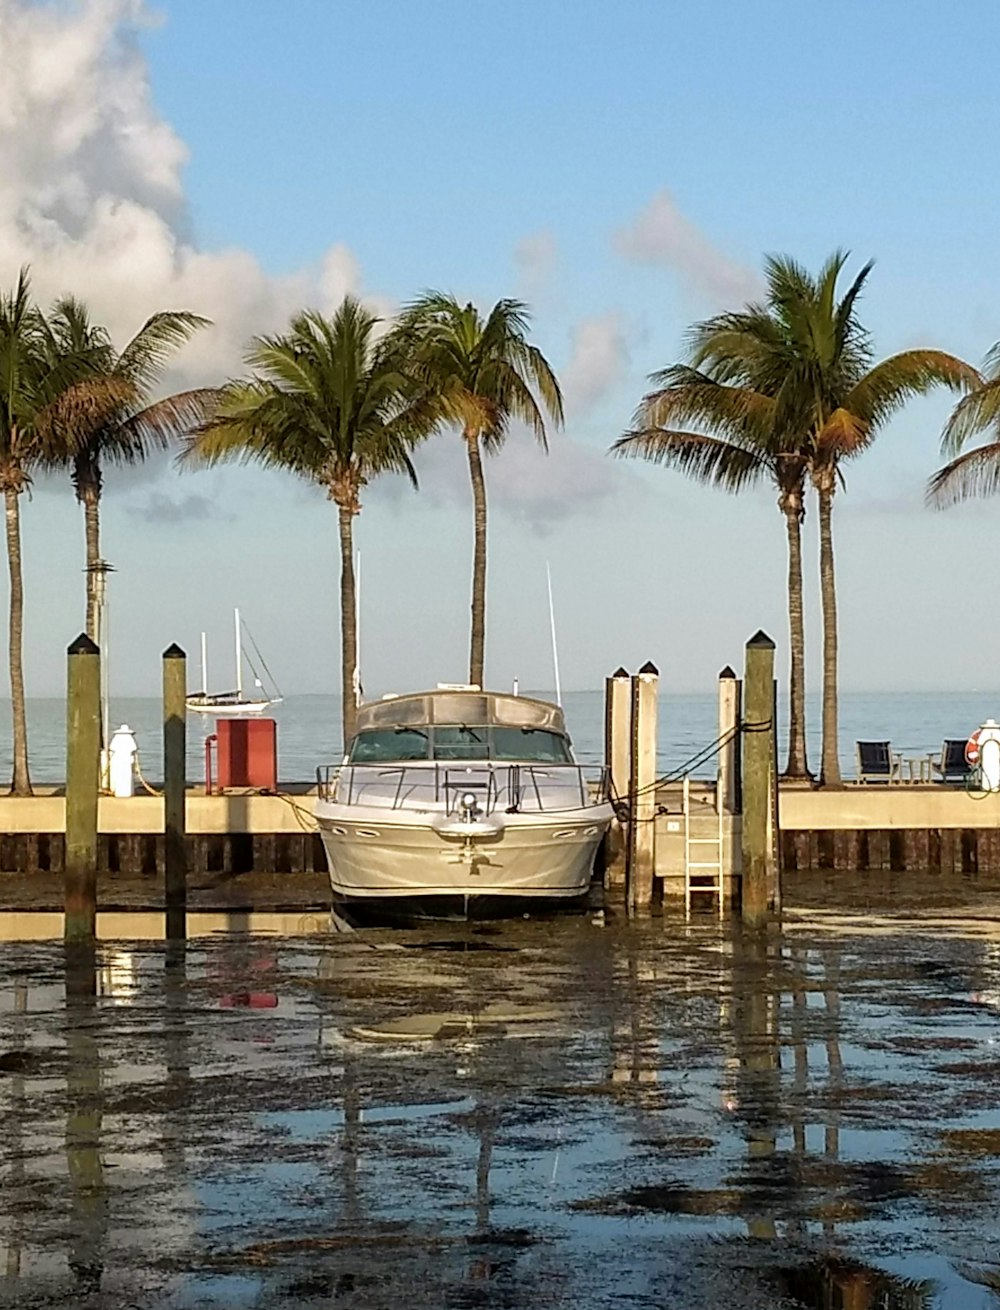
[972,749]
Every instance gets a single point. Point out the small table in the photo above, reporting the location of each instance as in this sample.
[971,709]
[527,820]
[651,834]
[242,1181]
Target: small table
[919,767]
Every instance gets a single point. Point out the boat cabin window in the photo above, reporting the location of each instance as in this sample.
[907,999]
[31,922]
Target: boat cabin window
[389,745]
[530,746]
[460,741]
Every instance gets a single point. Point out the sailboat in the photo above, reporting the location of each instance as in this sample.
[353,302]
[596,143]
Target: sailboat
[237,701]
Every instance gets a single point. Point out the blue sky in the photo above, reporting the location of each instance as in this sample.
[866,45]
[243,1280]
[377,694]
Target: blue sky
[625,168]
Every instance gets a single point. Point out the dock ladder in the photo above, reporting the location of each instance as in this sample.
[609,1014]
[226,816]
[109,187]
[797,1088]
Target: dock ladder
[703,856]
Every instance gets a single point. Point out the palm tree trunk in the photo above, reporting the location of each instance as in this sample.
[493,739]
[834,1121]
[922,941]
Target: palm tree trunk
[21,782]
[797,767]
[92,529]
[830,763]
[348,624]
[477,644]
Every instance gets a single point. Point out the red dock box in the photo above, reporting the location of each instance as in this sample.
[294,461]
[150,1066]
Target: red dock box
[248,753]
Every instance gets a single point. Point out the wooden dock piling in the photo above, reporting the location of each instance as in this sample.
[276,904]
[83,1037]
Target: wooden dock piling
[617,749]
[83,770]
[642,788]
[758,781]
[174,786]
[727,786]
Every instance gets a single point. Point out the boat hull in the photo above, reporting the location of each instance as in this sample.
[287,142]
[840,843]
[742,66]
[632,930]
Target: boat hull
[378,860]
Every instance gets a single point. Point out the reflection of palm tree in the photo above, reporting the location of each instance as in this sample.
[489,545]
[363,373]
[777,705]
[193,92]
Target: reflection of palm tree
[847,1285]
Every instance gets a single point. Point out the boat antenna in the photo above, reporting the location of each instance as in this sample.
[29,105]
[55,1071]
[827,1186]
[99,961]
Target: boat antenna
[239,656]
[552,625]
[358,692]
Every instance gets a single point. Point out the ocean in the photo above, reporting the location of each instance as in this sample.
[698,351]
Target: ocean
[308,729]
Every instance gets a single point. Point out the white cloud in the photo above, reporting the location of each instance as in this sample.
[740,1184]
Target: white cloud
[522,482]
[661,235]
[93,195]
[599,359]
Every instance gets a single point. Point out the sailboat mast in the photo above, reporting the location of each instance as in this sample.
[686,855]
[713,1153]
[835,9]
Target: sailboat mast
[239,657]
[204,664]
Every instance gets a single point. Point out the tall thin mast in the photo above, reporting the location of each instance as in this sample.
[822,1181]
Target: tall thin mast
[357,630]
[204,664]
[552,625]
[239,657]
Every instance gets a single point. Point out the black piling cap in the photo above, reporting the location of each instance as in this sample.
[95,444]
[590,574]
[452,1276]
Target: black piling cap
[174,652]
[727,672]
[649,669]
[620,672]
[83,646]
[760,638]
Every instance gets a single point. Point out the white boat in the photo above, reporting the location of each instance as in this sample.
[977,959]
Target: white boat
[237,701]
[458,800]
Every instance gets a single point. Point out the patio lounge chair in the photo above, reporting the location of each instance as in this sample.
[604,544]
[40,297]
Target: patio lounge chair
[878,763]
[950,765]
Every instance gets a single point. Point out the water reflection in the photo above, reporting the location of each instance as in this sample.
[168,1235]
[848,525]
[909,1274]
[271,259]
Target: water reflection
[815,1103]
[833,1284]
[88,1194]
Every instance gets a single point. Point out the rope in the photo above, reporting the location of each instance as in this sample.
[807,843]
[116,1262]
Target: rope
[138,773]
[299,811]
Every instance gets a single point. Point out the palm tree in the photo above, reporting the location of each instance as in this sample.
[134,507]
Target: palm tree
[976,472]
[484,374]
[821,358]
[805,348]
[741,449]
[333,404]
[132,429]
[42,400]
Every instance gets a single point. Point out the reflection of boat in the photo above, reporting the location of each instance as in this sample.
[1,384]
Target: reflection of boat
[459,800]
[235,701]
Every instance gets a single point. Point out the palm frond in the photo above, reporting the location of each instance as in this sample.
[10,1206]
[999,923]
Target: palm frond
[975,473]
[704,458]
[147,355]
[159,425]
[886,387]
[974,413]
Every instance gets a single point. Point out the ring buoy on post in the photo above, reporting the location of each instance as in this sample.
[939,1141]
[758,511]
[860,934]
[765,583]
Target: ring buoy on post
[972,749]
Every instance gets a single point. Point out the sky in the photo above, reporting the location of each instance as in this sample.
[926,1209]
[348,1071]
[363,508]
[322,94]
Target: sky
[623,168]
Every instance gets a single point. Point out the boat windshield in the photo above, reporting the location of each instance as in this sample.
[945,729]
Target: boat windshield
[460,742]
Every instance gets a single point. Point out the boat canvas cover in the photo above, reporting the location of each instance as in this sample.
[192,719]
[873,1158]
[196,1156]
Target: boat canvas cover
[461,707]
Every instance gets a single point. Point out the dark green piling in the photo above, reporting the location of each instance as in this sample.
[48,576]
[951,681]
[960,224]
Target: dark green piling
[758,780]
[174,787]
[83,770]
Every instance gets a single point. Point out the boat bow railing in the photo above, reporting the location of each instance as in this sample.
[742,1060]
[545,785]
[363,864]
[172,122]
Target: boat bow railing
[515,788]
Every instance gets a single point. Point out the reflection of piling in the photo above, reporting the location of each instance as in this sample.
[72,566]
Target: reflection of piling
[759,876]
[88,1227]
[617,738]
[642,788]
[83,763]
[174,785]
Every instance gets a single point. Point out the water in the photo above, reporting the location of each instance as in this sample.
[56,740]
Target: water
[309,729]
[641,1116]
